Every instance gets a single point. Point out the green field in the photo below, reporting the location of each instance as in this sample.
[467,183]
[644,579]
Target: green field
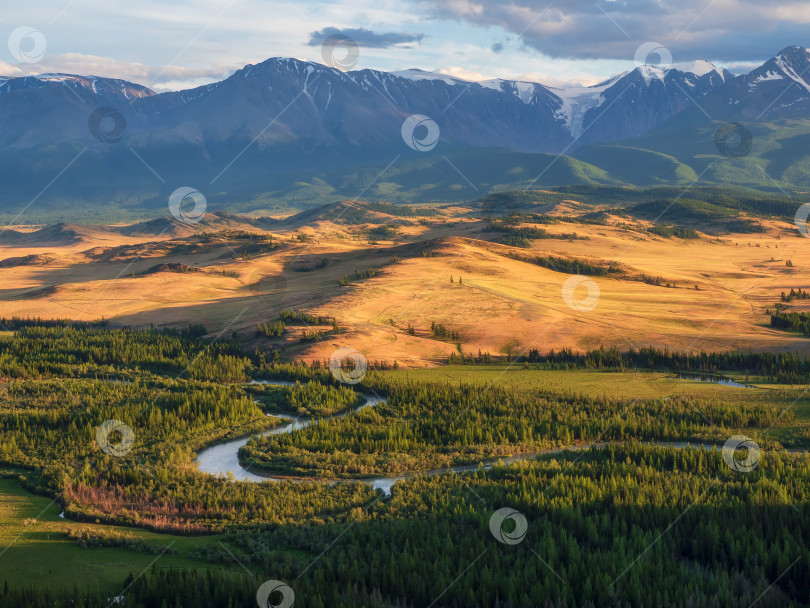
[727,529]
[789,406]
[628,384]
[36,550]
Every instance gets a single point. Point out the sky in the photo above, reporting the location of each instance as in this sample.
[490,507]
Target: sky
[558,42]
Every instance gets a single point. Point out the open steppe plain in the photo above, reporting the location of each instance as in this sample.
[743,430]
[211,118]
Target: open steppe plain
[230,273]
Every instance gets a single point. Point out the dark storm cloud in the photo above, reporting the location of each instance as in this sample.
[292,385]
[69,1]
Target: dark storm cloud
[364,38]
[723,30]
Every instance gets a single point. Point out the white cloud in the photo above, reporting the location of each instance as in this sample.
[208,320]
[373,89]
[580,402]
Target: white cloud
[190,42]
[155,77]
[553,81]
[730,30]
[463,74]
[542,78]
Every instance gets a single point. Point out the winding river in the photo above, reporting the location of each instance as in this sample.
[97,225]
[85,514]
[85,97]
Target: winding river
[223,458]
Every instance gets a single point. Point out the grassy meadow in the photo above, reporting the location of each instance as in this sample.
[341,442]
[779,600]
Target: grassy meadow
[37,551]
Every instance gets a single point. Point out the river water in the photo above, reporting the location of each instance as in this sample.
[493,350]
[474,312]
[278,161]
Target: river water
[223,458]
[714,380]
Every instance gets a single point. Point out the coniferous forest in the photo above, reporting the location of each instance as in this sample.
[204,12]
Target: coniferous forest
[407,304]
[605,506]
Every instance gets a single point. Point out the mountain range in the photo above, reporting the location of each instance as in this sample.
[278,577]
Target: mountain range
[287,132]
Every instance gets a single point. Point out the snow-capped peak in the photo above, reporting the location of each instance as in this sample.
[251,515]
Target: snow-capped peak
[788,71]
[697,68]
[793,54]
[417,74]
[790,63]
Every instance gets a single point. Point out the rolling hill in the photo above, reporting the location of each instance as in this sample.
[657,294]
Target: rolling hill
[286,134]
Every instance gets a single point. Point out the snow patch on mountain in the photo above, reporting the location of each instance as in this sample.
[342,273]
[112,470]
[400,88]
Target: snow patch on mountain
[652,72]
[575,103]
[496,84]
[417,74]
[523,90]
[696,68]
[791,73]
[768,76]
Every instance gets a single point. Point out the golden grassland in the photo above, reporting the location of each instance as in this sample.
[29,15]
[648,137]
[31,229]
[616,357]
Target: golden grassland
[503,305]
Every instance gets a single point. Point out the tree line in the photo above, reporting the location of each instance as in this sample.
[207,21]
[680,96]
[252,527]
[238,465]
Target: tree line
[626,526]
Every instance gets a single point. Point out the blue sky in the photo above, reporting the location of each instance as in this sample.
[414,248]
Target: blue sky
[191,42]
